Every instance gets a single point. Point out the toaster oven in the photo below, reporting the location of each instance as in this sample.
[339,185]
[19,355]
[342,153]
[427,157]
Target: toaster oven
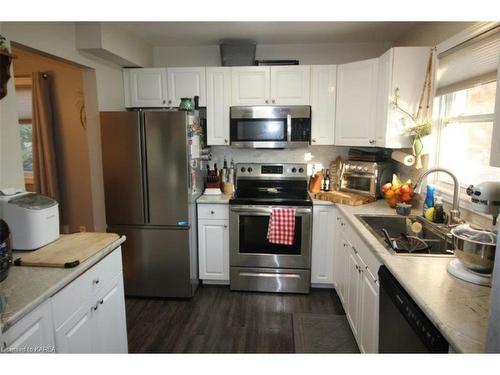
[366,177]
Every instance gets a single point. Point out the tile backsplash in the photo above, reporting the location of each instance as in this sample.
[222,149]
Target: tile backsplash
[320,156]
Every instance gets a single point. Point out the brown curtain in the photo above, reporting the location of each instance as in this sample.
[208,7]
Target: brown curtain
[44,156]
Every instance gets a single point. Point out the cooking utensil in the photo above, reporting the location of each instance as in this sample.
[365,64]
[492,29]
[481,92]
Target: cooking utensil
[408,244]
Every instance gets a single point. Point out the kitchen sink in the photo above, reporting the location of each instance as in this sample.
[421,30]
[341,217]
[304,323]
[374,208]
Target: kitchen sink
[396,226]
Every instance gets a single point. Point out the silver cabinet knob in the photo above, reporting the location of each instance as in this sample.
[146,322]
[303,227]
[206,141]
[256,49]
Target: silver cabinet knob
[164,101]
[169,102]
[274,101]
[95,281]
[225,140]
[267,101]
[4,346]
[212,212]
[314,140]
[371,141]
[101,301]
[225,226]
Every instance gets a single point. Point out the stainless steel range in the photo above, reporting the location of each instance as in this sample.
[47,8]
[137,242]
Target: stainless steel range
[256,264]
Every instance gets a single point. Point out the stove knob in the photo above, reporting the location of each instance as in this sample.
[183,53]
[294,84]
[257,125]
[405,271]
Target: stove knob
[250,169]
[294,170]
[301,170]
[242,169]
[358,168]
[365,169]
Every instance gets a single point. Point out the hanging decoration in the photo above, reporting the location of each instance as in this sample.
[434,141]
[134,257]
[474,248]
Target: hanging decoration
[421,122]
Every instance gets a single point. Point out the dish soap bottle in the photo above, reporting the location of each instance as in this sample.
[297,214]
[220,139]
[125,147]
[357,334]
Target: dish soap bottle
[428,210]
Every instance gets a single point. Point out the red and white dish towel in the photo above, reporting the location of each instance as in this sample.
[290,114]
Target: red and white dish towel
[281,229]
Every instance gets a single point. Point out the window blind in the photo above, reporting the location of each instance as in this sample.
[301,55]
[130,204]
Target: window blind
[473,62]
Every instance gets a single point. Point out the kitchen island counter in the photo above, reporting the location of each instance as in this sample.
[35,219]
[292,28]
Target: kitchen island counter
[28,287]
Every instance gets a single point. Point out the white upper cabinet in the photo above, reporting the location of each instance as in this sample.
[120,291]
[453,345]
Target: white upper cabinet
[290,85]
[145,87]
[218,104]
[356,103]
[323,91]
[186,83]
[275,85]
[251,85]
[401,69]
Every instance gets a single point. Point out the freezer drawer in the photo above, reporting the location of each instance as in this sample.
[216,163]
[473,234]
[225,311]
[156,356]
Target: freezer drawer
[156,262]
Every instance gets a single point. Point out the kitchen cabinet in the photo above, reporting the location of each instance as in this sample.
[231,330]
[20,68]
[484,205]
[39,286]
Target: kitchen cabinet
[290,85]
[218,105]
[186,83]
[145,87]
[32,334]
[276,85]
[323,93]
[356,284]
[322,245]
[89,313]
[356,103]
[401,69]
[213,242]
[495,139]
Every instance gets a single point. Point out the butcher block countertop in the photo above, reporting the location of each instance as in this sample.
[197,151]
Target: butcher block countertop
[27,287]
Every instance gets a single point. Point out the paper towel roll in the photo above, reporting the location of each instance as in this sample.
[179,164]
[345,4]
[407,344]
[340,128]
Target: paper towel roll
[403,158]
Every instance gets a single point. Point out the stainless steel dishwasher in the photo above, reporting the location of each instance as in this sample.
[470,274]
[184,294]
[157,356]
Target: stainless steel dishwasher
[403,326]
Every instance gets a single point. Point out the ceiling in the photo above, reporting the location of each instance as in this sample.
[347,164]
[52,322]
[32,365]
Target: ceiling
[210,33]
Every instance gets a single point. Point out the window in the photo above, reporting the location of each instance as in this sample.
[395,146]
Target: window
[24,110]
[465,127]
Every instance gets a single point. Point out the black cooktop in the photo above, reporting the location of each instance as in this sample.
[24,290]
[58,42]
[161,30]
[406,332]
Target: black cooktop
[271,202]
[271,192]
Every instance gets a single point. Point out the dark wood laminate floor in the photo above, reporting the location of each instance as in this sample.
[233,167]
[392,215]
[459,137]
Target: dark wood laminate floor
[217,320]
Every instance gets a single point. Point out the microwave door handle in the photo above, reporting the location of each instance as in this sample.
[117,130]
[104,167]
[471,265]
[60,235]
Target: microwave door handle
[289,127]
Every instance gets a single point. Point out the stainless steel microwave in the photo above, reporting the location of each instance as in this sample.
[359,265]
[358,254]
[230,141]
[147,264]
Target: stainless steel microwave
[270,126]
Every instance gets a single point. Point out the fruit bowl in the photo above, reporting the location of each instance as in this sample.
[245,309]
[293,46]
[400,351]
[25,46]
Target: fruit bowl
[396,192]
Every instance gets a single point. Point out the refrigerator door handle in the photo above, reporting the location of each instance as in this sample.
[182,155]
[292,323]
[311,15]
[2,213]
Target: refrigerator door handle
[144,162]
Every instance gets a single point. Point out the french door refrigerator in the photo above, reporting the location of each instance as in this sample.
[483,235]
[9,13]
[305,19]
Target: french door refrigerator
[151,186]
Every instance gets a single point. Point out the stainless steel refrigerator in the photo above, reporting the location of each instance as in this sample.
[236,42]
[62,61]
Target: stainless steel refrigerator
[151,185]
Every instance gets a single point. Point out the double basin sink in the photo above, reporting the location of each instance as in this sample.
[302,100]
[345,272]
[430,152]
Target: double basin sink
[435,237]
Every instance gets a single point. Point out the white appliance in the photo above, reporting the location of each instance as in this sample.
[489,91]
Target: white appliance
[33,219]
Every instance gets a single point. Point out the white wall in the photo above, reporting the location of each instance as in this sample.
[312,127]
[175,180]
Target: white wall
[334,53]
[11,170]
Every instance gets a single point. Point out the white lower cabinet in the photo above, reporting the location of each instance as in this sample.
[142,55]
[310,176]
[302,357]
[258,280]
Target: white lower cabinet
[86,316]
[213,242]
[356,284]
[323,238]
[32,334]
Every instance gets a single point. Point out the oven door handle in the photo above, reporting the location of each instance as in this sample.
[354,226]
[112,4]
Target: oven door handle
[289,127]
[359,175]
[251,210]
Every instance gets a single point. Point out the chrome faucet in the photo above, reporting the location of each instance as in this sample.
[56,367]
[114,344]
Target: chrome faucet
[454,217]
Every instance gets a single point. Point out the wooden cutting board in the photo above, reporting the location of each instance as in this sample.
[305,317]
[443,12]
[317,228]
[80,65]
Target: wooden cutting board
[343,197]
[69,250]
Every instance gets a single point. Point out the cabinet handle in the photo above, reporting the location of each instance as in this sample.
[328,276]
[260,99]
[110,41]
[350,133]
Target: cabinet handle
[169,102]
[225,140]
[371,141]
[164,101]
[314,140]
[4,346]
[95,281]
[267,101]
[95,307]
[225,226]
[212,212]
[274,101]
[101,301]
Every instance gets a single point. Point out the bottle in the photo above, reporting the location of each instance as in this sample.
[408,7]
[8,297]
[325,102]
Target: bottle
[428,211]
[327,180]
[439,215]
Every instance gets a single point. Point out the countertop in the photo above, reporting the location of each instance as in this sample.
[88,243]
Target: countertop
[214,199]
[27,287]
[457,308]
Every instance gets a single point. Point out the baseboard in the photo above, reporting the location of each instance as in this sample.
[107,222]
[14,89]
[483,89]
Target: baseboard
[215,282]
[323,286]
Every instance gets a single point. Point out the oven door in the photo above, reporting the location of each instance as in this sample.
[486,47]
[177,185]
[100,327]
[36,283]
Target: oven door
[249,246]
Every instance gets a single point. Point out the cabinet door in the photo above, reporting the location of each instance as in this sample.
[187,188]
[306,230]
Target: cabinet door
[356,103]
[110,328]
[352,280]
[186,83]
[339,260]
[32,334]
[250,85]
[369,314]
[291,85]
[322,245]
[218,104]
[146,87]
[213,247]
[323,92]
[76,335]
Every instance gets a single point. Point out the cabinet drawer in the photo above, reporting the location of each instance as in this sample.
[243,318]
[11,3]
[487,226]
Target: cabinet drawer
[364,252]
[213,211]
[70,299]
